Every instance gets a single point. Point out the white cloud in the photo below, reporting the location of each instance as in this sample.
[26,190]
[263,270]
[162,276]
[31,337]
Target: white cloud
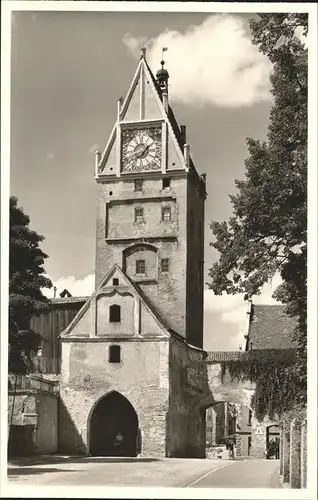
[267,292]
[78,287]
[135,44]
[93,148]
[49,156]
[229,311]
[211,63]
[231,304]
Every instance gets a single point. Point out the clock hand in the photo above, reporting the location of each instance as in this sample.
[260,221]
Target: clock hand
[138,153]
[143,150]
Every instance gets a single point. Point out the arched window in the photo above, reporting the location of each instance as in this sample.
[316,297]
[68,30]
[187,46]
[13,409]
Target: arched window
[114,313]
[114,354]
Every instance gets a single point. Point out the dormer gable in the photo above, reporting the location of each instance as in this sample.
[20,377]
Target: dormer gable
[116,309]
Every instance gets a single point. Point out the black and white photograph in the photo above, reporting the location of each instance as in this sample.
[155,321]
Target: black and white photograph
[159,250]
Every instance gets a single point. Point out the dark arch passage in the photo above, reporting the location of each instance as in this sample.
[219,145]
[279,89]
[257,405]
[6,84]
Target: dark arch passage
[113,428]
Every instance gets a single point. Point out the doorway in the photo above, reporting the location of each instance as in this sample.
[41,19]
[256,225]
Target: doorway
[272,441]
[113,428]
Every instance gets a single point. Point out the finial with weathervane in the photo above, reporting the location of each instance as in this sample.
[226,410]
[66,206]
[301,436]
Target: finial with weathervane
[162,74]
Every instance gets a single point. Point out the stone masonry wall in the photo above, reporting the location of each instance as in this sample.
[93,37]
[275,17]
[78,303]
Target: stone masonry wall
[293,451]
[188,387]
[169,292]
[295,454]
[19,405]
[228,390]
[303,456]
[142,377]
[47,423]
[286,453]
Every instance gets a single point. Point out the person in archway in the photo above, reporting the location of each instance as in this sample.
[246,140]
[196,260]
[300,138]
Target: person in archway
[276,449]
[118,442]
[231,449]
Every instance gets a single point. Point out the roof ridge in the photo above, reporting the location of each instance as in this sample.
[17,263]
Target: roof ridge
[148,303]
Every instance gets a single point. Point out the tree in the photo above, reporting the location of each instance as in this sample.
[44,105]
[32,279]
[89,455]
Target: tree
[268,230]
[26,279]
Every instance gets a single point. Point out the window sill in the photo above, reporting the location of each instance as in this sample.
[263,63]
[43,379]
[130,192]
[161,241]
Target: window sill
[148,281]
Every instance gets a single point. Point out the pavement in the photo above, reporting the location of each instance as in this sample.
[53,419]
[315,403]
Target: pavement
[242,474]
[143,471]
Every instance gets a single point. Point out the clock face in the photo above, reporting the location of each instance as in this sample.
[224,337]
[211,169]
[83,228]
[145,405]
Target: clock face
[141,149]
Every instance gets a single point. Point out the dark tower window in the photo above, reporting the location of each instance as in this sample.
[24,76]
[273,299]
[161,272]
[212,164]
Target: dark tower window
[115,281]
[139,214]
[138,185]
[165,183]
[140,267]
[114,313]
[164,265]
[250,417]
[166,213]
[39,351]
[114,354]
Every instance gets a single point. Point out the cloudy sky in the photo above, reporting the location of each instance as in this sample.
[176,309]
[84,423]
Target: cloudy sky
[68,69]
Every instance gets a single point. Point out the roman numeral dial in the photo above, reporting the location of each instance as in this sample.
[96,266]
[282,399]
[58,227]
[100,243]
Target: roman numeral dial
[141,149]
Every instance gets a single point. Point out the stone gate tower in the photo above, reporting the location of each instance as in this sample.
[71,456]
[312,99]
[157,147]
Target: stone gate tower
[132,357]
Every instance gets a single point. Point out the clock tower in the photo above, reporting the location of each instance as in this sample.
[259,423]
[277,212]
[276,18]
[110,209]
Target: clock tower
[133,375]
[150,205]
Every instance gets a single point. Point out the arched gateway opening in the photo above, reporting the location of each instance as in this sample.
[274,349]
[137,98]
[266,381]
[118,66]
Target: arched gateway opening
[272,441]
[113,428]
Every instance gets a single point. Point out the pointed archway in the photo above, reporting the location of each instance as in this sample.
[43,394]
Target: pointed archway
[113,427]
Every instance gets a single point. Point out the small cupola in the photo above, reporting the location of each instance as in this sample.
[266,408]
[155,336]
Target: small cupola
[162,76]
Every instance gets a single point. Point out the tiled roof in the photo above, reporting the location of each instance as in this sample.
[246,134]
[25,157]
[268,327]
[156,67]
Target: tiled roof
[68,300]
[215,357]
[218,356]
[271,328]
[149,304]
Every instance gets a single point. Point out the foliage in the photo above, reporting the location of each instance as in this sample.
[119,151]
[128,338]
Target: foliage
[273,372]
[267,232]
[26,279]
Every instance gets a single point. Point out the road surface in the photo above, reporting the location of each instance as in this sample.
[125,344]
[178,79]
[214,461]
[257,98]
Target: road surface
[192,473]
[241,474]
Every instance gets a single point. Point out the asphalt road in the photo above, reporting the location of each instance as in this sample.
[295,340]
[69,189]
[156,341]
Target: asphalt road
[193,473]
[241,474]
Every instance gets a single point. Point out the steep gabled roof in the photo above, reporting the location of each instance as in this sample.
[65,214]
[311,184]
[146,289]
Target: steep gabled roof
[173,121]
[218,357]
[174,131]
[163,324]
[271,328]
